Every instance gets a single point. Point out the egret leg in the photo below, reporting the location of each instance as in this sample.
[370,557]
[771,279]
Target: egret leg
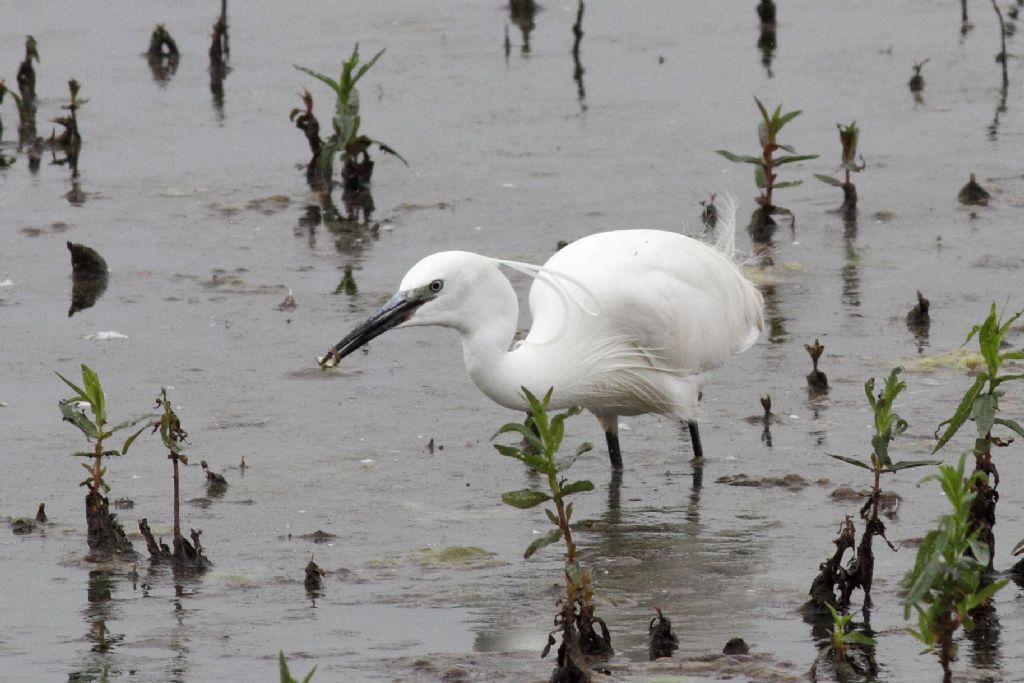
[698,452]
[614,454]
[610,425]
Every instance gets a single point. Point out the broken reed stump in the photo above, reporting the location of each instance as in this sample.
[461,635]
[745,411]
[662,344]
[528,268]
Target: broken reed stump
[709,213]
[919,320]
[831,571]
[663,642]
[314,576]
[105,534]
[860,572]
[973,194]
[307,122]
[736,646]
[162,55]
[186,555]
[216,484]
[816,379]
[89,276]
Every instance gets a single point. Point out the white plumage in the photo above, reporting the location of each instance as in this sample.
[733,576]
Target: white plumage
[624,322]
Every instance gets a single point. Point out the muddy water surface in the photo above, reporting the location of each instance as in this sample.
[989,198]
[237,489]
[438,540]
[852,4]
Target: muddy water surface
[202,212]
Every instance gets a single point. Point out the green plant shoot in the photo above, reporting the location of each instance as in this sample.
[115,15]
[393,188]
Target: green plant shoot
[286,676]
[105,534]
[96,429]
[888,424]
[980,404]
[849,136]
[542,457]
[543,436]
[947,581]
[843,635]
[765,165]
[346,121]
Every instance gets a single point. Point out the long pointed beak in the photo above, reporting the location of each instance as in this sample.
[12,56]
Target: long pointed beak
[396,311]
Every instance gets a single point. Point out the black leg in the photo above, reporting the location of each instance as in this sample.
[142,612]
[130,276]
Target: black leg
[698,452]
[614,454]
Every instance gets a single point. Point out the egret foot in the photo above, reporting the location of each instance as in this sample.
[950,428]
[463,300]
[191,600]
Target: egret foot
[614,454]
[698,452]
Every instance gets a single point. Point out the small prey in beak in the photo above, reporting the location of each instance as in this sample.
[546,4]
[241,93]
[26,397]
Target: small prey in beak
[396,311]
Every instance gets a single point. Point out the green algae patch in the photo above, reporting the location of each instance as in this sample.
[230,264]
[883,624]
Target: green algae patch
[453,556]
[958,359]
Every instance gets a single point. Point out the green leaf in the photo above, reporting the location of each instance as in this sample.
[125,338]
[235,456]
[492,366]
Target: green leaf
[985,593]
[1007,378]
[131,439]
[1010,424]
[152,417]
[365,67]
[525,432]
[829,180]
[786,118]
[331,83]
[562,464]
[577,487]
[983,412]
[549,538]
[524,498]
[858,637]
[759,178]
[880,444]
[741,158]
[764,112]
[793,158]
[81,395]
[508,451]
[908,464]
[94,391]
[788,183]
[962,412]
[552,517]
[852,461]
[78,418]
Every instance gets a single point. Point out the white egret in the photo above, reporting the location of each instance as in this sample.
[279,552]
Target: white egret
[624,322]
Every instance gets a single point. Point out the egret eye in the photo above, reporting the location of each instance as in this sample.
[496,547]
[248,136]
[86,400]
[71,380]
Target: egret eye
[436,286]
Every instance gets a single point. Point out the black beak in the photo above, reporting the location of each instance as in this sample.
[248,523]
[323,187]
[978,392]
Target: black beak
[396,311]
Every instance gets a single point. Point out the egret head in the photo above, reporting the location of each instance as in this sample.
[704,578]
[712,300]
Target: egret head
[451,289]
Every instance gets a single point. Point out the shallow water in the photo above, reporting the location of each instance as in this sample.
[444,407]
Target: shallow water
[203,216]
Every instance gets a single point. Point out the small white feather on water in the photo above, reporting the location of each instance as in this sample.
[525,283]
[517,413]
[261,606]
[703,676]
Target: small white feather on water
[105,336]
